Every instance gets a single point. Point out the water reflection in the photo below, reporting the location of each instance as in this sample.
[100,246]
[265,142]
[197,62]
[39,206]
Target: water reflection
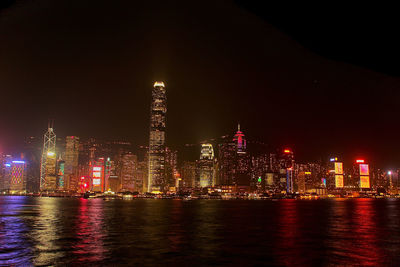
[51,231]
[365,247]
[46,232]
[90,232]
[14,247]
[287,235]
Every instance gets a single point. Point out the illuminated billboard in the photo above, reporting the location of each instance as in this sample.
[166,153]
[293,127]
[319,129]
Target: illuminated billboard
[364,170]
[97,172]
[338,168]
[96,181]
[364,182]
[339,181]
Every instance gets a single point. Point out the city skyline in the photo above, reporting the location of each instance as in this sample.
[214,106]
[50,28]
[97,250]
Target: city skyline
[204,133]
[295,97]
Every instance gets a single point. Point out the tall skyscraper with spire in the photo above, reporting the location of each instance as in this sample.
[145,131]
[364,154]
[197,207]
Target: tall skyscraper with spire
[156,179]
[240,141]
[241,176]
[48,174]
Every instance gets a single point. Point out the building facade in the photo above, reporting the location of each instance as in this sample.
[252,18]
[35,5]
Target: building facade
[156,179]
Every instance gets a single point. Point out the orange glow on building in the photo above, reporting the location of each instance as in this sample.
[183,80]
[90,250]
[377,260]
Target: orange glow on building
[339,181]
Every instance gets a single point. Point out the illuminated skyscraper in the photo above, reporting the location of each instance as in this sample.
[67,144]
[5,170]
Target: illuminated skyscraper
[240,141]
[242,172]
[156,180]
[97,175]
[171,166]
[128,172]
[189,174]
[206,166]
[227,162]
[71,163]
[288,164]
[5,172]
[18,174]
[60,175]
[48,175]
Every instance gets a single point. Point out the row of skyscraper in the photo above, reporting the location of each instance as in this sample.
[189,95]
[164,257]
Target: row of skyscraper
[229,164]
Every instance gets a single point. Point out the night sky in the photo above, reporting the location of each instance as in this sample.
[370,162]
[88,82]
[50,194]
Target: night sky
[322,82]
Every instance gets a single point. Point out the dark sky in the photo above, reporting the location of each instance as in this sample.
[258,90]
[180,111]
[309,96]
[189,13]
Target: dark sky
[320,82]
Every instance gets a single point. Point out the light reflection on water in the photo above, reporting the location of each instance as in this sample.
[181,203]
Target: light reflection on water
[63,231]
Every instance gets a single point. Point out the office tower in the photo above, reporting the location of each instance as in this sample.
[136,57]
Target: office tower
[156,180]
[97,175]
[141,176]
[32,155]
[227,162]
[338,174]
[240,141]
[108,164]
[60,174]
[364,182]
[71,163]
[171,166]
[205,166]
[48,175]
[128,172]
[189,174]
[287,166]
[2,171]
[5,172]
[301,182]
[259,168]
[17,176]
[242,172]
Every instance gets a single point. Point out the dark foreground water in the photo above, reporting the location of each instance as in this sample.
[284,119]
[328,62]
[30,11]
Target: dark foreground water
[57,231]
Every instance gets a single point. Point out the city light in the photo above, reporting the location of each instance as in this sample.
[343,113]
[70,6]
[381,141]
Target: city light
[360,161]
[389,172]
[159,84]
[18,161]
[286,151]
[50,153]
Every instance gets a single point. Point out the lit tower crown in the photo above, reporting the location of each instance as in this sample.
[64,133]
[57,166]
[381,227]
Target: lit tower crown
[48,162]
[240,141]
[207,151]
[156,178]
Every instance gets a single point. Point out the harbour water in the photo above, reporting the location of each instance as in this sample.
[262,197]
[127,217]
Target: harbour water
[287,232]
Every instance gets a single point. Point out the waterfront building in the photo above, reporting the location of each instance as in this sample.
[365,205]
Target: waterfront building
[128,172]
[364,181]
[156,179]
[32,155]
[189,174]
[287,169]
[71,162]
[17,176]
[227,162]
[171,167]
[48,175]
[205,166]
[61,174]
[242,160]
[97,175]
